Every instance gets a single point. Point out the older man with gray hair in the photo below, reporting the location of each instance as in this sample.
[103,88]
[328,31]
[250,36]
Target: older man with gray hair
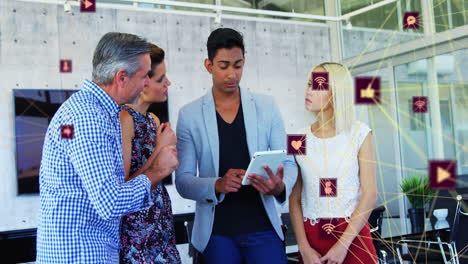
[82,189]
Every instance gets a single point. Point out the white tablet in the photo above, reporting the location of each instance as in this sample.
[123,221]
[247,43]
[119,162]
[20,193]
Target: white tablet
[270,158]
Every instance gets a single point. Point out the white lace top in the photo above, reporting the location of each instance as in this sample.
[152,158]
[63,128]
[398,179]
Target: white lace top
[327,160]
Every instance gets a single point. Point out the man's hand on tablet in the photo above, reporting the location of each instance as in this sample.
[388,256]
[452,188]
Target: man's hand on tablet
[273,186]
[231,182]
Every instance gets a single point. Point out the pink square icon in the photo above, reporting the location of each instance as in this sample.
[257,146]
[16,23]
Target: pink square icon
[328,187]
[411,20]
[442,174]
[67,132]
[296,144]
[65,66]
[367,90]
[87,6]
[319,80]
[327,229]
[420,104]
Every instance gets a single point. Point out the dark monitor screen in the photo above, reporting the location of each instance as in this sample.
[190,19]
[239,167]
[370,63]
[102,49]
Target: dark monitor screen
[33,111]
[161,110]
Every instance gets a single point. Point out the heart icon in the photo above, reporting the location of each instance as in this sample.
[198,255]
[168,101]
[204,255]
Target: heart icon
[296,144]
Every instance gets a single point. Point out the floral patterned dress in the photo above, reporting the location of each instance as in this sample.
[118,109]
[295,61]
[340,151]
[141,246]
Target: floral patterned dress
[148,236]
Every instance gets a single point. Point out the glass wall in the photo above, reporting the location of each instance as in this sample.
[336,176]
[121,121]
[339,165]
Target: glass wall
[414,128]
[405,140]
[385,17]
[419,134]
[378,28]
[453,87]
[417,129]
[382,27]
[450,14]
[382,121]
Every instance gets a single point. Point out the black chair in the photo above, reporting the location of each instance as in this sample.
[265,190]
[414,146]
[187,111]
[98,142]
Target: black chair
[375,223]
[459,237]
[18,246]
[179,227]
[197,257]
[289,237]
[454,251]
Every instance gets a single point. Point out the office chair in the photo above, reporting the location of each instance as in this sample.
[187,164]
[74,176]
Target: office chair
[458,241]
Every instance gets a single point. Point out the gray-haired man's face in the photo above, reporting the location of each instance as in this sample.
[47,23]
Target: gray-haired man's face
[138,81]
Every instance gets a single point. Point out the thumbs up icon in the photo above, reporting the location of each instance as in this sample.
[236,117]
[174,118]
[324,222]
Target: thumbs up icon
[367,90]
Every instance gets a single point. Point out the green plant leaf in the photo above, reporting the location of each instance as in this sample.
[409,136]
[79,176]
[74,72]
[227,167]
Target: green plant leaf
[416,189]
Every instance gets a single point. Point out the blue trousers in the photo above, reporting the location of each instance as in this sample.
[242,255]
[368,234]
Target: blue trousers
[254,248]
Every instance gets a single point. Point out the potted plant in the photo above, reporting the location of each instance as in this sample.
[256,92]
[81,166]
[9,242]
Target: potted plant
[416,189]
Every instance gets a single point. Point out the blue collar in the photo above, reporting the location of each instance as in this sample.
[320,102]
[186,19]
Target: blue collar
[106,101]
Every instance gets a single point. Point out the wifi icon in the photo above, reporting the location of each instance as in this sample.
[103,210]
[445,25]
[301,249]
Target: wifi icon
[320,80]
[328,228]
[420,104]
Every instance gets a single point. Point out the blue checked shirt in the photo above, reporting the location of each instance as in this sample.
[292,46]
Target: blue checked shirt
[82,187]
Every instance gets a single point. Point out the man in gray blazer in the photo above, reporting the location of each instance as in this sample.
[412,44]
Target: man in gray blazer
[218,134]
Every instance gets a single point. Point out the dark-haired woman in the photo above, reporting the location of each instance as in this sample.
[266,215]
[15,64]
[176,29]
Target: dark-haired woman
[148,236]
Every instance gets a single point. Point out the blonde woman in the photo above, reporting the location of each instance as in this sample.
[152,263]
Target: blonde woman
[336,190]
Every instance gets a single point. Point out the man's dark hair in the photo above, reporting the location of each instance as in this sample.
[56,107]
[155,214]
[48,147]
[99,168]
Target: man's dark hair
[157,56]
[224,38]
[117,51]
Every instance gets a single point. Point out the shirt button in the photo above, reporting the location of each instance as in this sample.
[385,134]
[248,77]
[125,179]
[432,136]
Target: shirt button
[209,200]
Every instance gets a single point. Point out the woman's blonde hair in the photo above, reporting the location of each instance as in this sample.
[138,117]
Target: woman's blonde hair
[342,88]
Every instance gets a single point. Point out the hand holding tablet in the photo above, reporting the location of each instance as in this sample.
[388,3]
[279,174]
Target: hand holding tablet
[230,182]
[260,175]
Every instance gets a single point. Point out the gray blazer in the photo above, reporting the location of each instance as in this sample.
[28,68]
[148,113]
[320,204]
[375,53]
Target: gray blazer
[198,147]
